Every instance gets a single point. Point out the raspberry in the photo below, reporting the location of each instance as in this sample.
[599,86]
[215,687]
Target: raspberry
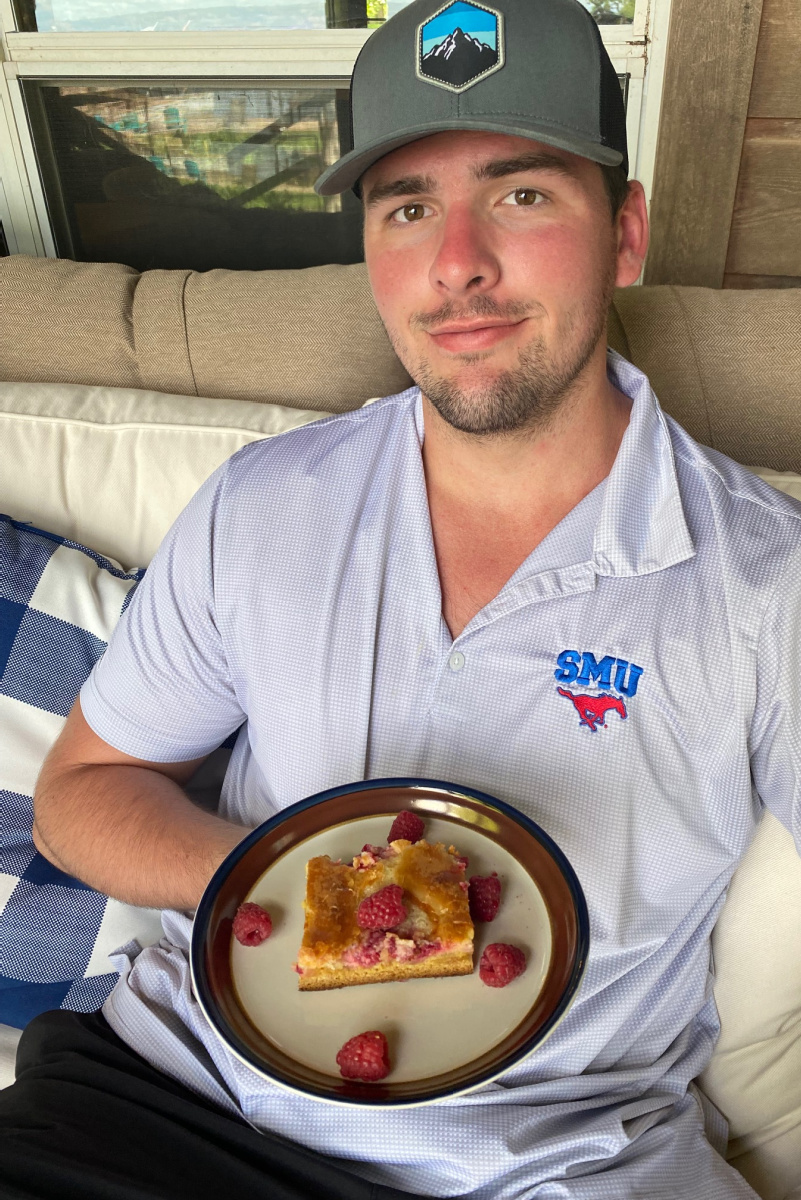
[485,896]
[367,952]
[500,964]
[365,1056]
[383,910]
[406,825]
[252,924]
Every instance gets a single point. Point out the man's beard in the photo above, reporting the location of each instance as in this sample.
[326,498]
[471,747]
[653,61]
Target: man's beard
[524,398]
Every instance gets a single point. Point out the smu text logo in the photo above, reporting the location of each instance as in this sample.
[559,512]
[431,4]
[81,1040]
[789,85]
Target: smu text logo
[584,669]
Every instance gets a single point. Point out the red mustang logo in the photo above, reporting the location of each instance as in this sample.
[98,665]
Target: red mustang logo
[593,709]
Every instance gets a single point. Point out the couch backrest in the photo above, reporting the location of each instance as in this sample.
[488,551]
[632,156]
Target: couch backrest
[308,339]
[726,364]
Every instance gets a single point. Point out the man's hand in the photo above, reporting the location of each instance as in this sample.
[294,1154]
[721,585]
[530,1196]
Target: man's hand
[124,825]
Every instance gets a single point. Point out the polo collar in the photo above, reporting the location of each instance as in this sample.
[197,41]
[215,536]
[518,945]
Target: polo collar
[641,527]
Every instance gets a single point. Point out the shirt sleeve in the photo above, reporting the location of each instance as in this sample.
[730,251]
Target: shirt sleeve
[776,727]
[162,691]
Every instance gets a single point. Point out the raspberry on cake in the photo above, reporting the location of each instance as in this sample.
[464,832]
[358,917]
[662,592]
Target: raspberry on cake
[419,925]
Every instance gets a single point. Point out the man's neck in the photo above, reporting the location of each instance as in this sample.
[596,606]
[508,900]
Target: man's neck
[494,499]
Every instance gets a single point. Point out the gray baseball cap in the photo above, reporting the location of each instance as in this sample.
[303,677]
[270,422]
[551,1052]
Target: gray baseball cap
[533,68]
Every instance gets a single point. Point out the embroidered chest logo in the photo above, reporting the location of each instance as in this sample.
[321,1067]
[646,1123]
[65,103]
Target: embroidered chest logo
[584,670]
[459,45]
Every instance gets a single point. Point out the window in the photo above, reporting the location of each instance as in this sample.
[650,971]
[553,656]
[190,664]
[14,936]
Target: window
[192,175]
[189,133]
[179,16]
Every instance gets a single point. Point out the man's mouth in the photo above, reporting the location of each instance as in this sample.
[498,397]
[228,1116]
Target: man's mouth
[466,336]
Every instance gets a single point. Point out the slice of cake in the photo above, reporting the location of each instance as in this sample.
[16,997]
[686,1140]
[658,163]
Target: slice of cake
[397,912]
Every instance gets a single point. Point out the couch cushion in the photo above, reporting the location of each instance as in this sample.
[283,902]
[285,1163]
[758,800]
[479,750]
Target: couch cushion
[754,1077]
[69,323]
[308,338]
[58,605]
[162,353]
[113,467]
[726,364]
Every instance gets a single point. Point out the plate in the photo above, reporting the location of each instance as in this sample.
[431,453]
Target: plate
[446,1036]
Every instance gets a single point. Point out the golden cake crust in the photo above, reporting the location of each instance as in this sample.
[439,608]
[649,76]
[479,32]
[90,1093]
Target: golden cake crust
[436,939]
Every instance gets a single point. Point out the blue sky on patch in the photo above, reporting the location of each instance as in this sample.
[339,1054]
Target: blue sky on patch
[470,19]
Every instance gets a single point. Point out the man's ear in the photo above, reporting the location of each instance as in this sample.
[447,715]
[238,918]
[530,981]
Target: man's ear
[631,227]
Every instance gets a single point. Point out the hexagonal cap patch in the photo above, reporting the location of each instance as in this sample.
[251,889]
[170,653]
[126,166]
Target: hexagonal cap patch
[461,44]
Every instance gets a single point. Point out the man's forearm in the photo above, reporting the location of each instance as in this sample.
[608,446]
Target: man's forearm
[130,832]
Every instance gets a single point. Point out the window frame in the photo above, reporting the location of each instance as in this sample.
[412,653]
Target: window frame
[248,58]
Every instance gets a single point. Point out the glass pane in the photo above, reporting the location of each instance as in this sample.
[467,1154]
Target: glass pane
[611,12]
[173,16]
[197,176]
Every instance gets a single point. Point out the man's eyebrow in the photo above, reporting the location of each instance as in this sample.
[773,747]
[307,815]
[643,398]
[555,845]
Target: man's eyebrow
[409,185]
[497,168]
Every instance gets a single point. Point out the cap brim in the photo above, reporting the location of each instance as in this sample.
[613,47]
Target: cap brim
[346,171]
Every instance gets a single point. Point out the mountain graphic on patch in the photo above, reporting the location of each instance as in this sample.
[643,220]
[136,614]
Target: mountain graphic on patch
[459,59]
[459,45]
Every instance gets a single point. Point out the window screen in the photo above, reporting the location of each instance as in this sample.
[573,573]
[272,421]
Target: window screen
[194,175]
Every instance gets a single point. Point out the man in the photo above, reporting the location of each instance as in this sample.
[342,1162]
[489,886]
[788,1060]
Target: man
[422,587]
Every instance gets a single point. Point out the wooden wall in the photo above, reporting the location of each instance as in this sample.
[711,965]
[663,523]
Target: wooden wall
[726,202]
[765,243]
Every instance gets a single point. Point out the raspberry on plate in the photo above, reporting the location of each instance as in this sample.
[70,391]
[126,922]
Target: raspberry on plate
[365,1056]
[384,909]
[406,825]
[500,964]
[485,896]
[252,924]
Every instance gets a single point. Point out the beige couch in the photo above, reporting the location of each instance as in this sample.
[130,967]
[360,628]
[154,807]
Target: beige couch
[107,429]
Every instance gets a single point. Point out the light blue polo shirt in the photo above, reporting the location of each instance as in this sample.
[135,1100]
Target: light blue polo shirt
[298,593]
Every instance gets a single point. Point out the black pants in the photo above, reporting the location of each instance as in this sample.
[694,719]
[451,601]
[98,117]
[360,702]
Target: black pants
[89,1119]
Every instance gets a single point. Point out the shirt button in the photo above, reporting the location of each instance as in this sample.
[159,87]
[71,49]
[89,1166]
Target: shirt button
[456,660]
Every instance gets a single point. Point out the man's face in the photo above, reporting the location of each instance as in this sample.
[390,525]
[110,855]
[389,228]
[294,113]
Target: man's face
[492,261]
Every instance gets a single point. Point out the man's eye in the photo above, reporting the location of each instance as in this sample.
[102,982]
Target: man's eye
[410,213]
[523,197]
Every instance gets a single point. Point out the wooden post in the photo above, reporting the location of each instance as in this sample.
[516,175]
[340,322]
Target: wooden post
[708,74]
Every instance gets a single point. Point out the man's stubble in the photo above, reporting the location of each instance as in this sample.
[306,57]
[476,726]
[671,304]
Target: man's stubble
[522,399]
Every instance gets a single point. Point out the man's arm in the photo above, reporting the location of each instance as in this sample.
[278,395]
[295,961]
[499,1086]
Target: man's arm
[125,826]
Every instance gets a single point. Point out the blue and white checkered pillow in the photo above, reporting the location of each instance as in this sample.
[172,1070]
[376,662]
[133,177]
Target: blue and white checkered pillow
[58,605]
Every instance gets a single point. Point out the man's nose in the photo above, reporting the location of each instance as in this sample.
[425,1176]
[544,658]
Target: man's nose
[465,260]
